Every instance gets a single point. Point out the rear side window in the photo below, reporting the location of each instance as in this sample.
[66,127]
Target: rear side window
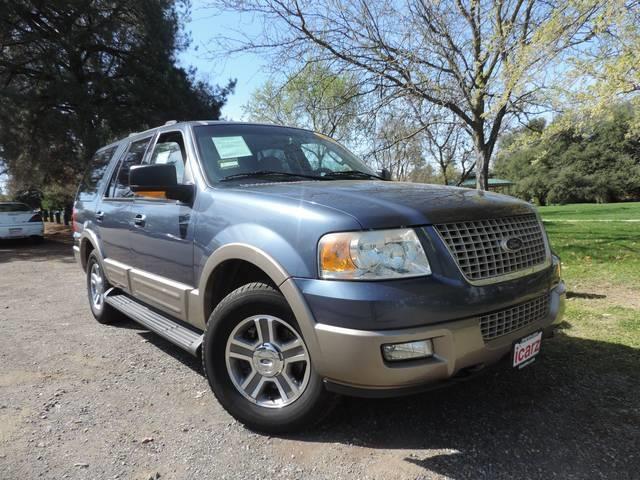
[94,176]
[120,184]
[14,207]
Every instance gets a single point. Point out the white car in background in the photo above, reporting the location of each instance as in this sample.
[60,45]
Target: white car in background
[18,220]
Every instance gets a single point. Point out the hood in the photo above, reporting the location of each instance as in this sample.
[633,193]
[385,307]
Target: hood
[378,204]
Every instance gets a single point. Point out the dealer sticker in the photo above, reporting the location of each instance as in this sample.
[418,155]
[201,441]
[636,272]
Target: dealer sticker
[526,350]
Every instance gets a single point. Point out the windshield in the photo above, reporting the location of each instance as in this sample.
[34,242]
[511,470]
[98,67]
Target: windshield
[14,207]
[240,151]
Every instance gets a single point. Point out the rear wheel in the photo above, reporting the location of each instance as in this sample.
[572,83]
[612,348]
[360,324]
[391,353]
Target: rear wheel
[97,285]
[258,365]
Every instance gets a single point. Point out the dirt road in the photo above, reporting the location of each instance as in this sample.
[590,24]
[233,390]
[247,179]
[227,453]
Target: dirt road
[81,400]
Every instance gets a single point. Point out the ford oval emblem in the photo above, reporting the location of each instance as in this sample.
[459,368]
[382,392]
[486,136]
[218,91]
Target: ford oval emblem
[512,244]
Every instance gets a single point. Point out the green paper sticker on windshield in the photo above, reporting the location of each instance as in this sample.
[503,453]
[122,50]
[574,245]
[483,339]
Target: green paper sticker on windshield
[231,147]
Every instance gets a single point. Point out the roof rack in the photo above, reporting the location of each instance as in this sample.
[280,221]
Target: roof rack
[170,122]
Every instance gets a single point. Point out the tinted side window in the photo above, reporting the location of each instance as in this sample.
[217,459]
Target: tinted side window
[94,176]
[120,184]
[169,150]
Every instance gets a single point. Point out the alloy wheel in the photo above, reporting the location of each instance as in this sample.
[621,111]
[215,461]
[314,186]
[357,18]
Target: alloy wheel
[267,361]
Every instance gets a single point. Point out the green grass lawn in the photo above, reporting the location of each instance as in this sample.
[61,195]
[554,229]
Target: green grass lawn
[593,211]
[600,252]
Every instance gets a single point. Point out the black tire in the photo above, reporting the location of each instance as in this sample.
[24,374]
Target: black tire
[314,403]
[37,240]
[106,314]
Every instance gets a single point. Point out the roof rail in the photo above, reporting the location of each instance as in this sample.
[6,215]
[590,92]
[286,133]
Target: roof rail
[170,122]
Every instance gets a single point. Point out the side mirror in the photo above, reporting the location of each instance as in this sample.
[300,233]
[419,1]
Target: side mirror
[159,181]
[386,174]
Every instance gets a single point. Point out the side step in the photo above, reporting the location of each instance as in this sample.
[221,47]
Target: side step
[182,336]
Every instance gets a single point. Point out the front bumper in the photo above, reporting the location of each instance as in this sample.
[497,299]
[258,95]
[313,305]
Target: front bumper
[22,230]
[350,360]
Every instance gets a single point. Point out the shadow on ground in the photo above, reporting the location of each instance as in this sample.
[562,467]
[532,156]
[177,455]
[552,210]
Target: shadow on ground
[574,414]
[585,295]
[54,248]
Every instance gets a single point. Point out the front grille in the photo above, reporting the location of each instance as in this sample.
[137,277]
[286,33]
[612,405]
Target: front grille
[477,246]
[511,319]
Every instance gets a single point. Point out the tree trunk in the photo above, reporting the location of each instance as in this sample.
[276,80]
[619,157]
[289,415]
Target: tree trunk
[482,172]
[482,162]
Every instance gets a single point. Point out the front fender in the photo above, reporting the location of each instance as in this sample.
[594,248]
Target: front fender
[275,271]
[256,238]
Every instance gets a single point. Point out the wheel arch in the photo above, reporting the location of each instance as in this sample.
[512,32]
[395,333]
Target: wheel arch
[88,243]
[262,266]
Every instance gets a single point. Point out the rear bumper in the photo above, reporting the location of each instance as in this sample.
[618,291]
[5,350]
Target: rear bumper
[351,361]
[22,230]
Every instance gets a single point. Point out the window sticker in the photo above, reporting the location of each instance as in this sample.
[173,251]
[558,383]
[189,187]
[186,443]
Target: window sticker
[162,157]
[224,164]
[231,147]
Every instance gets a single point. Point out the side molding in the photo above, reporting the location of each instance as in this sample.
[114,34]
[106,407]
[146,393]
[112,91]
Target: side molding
[117,273]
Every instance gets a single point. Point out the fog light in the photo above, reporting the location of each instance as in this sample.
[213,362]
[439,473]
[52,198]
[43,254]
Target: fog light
[394,352]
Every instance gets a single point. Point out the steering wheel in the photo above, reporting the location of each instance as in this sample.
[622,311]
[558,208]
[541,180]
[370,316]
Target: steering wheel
[325,170]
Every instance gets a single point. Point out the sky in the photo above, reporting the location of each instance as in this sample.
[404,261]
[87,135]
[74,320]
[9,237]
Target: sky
[248,69]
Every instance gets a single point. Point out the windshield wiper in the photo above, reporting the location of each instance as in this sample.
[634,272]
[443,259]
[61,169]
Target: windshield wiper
[352,174]
[266,173]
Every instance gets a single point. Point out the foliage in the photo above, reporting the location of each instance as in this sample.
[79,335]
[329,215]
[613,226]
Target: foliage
[318,99]
[57,197]
[608,68]
[485,62]
[30,196]
[313,98]
[75,75]
[597,160]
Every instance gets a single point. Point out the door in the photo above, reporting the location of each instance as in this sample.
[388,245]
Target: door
[113,213]
[162,230]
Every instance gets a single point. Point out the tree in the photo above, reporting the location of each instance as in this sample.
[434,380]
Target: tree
[75,75]
[313,98]
[482,60]
[608,68]
[448,145]
[595,160]
[396,147]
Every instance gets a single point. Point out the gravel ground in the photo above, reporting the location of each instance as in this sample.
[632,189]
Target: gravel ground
[83,400]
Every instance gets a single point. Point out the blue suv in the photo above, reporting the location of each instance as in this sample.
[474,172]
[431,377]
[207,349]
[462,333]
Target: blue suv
[297,273]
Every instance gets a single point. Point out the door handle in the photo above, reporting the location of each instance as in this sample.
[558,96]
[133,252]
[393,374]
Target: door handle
[99,216]
[139,220]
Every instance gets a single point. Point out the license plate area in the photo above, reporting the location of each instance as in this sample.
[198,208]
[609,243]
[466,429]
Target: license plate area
[526,349]
[15,231]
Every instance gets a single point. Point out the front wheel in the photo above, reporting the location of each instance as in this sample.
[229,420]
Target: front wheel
[258,365]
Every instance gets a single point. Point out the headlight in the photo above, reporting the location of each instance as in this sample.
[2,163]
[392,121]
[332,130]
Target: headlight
[375,255]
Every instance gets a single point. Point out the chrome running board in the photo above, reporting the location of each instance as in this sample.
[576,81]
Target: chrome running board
[178,334]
